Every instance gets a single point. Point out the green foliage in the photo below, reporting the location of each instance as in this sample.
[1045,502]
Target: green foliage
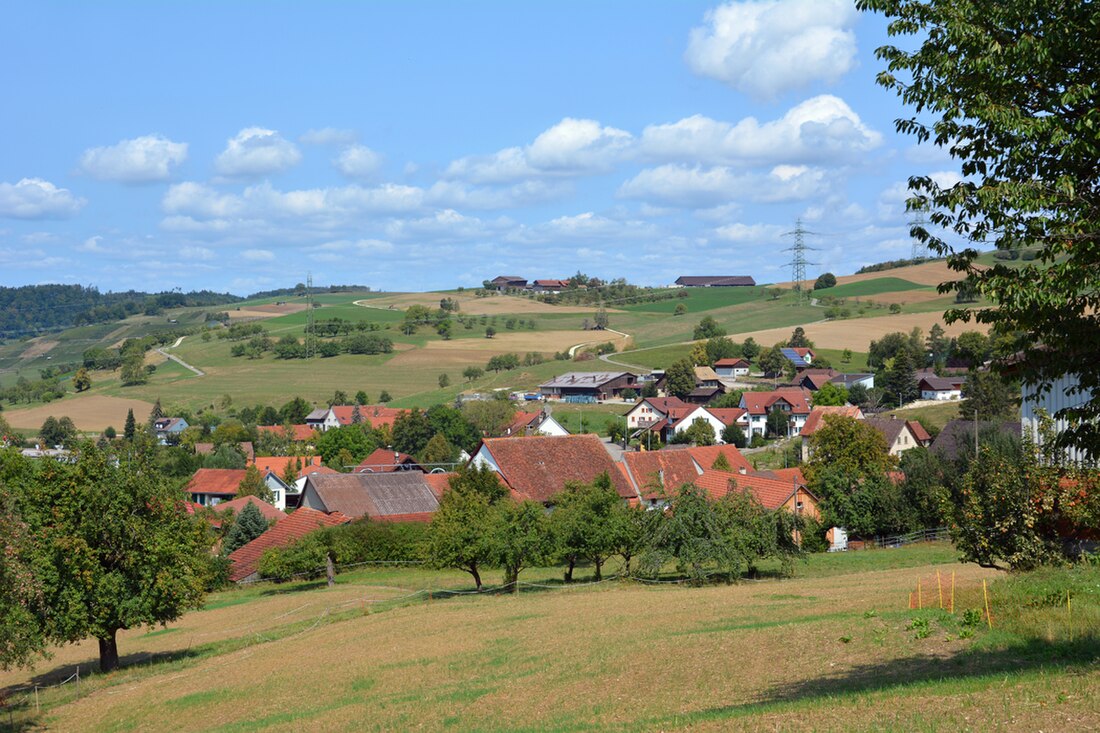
[113,548]
[850,446]
[21,634]
[437,451]
[798,339]
[502,362]
[680,378]
[899,384]
[989,396]
[56,431]
[411,432]
[247,526]
[830,395]
[750,349]
[253,485]
[1010,96]
[130,428]
[708,328]
[520,537]
[472,372]
[489,417]
[773,363]
[734,435]
[825,281]
[350,438]
[778,423]
[586,523]
[227,455]
[700,432]
[680,309]
[82,381]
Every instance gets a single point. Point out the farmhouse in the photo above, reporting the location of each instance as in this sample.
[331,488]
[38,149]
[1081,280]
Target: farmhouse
[244,562]
[549,286]
[731,368]
[900,435]
[588,386]
[719,418]
[211,486]
[802,358]
[654,475]
[941,388]
[657,414]
[771,493]
[396,496]
[847,381]
[342,415]
[537,468]
[501,282]
[715,281]
[794,402]
[168,427]
[534,423]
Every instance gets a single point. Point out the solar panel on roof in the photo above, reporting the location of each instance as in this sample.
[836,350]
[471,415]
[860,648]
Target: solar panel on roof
[794,357]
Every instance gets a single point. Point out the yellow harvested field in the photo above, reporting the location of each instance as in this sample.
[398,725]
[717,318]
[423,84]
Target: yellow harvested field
[88,412]
[930,273]
[472,305]
[266,311]
[38,347]
[857,333]
[475,351]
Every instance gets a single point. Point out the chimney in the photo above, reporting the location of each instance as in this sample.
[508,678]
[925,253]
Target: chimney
[742,470]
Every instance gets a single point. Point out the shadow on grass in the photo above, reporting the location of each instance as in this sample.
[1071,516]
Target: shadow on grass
[1024,656]
[89,669]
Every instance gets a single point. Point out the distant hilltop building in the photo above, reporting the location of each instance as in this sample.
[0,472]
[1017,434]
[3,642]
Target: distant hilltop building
[715,281]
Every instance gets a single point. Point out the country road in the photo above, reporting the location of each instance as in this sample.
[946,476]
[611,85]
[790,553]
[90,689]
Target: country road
[178,360]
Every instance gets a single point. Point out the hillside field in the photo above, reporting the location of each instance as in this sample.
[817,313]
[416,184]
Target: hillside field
[835,648]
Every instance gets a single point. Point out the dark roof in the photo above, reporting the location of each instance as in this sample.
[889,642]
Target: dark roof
[538,467]
[384,460]
[816,419]
[942,383]
[890,428]
[847,380]
[794,357]
[377,495]
[959,434]
[705,280]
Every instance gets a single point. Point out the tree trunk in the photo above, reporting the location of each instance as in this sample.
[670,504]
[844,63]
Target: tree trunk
[330,570]
[599,569]
[626,558]
[511,578]
[569,570]
[108,652]
[477,576]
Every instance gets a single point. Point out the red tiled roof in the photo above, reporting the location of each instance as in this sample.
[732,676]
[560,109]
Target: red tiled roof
[376,495]
[727,415]
[803,351]
[376,415]
[319,471]
[730,363]
[245,560]
[674,407]
[439,482]
[301,434]
[521,422]
[384,460]
[237,505]
[789,474]
[277,464]
[706,455]
[816,419]
[538,467]
[670,469]
[772,493]
[918,431]
[759,403]
[223,481]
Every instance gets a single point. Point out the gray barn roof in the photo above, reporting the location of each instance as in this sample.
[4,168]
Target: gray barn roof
[374,494]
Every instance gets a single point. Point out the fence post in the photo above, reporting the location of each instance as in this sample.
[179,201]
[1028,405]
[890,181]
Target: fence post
[988,615]
[939,586]
[37,710]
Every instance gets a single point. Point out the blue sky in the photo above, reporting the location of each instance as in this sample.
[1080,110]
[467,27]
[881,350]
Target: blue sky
[412,146]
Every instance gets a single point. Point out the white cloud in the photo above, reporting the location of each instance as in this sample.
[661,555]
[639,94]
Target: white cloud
[358,161]
[92,244]
[34,198]
[258,255]
[329,136]
[142,160]
[821,128]
[700,187]
[570,148]
[256,152]
[196,199]
[456,194]
[738,232]
[196,253]
[891,202]
[765,48]
[343,249]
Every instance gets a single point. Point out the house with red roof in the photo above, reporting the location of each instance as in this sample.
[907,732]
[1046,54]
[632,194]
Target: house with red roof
[338,416]
[792,401]
[384,460]
[772,493]
[730,368]
[650,411]
[244,561]
[655,474]
[212,486]
[278,464]
[534,423]
[537,468]
[719,418]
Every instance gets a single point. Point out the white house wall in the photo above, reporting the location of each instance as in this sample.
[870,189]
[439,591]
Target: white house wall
[1057,398]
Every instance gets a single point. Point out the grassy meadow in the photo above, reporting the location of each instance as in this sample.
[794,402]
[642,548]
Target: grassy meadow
[836,647]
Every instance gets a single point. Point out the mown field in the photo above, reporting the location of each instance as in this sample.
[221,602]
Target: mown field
[835,648]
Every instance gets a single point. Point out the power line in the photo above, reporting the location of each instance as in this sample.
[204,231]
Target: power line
[798,257]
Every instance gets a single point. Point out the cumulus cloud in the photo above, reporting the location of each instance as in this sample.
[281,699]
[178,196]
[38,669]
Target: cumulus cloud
[358,161]
[891,202]
[700,187]
[570,148]
[765,48]
[739,232]
[34,198]
[254,152]
[328,136]
[143,159]
[818,129]
[457,194]
[93,245]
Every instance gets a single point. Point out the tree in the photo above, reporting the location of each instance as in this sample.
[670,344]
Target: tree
[1011,97]
[472,372]
[339,397]
[450,422]
[253,485]
[21,635]
[226,455]
[721,348]
[778,423]
[849,445]
[521,537]
[82,381]
[411,431]
[734,435]
[460,535]
[361,398]
[691,535]
[721,463]
[680,378]
[708,328]
[830,395]
[585,523]
[858,395]
[900,383]
[57,432]
[680,309]
[156,413]
[489,417]
[133,371]
[384,397]
[602,320]
[490,332]
[109,432]
[295,411]
[438,450]
[846,356]
[989,396]
[937,344]
[700,432]
[113,546]
[356,416]
[130,428]
[772,362]
[825,281]
[247,526]
[350,438]
[798,339]
[750,349]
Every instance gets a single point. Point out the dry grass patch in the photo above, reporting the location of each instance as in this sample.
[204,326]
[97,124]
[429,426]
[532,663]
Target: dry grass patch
[856,333]
[37,347]
[265,311]
[472,305]
[476,351]
[88,412]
